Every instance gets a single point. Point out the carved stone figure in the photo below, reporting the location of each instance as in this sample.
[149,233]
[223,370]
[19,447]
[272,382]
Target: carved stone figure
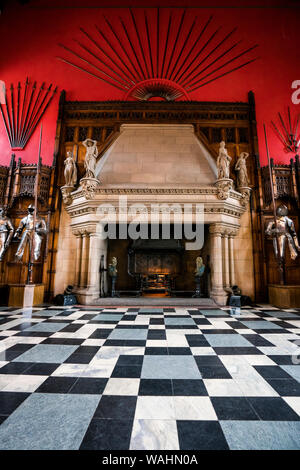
[200,267]
[6,233]
[90,157]
[241,168]
[284,232]
[30,233]
[70,170]
[223,162]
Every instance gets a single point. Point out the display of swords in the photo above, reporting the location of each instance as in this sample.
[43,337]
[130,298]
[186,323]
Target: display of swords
[159,44]
[22,110]
[287,132]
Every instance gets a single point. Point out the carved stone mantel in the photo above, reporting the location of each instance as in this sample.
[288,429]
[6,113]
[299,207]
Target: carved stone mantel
[223,216]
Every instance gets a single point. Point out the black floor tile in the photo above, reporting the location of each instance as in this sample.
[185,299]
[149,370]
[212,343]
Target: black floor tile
[282,360]
[9,401]
[201,435]
[273,409]
[197,341]
[173,351]
[272,372]
[159,387]
[68,341]
[79,358]
[233,408]
[100,333]
[257,340]
[208,361]
[128,360]
[285,387]
[183,387]
[56,385]
[87,385]
[156,351]
[130,372]
[107,434]
[214,372]
[41,368]
[116,407]
[156,334]
[236,351]
[15,368]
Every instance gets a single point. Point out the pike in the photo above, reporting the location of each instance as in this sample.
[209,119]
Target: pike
[4,119]
[285,129]
[123,48]
[192,48]
[149,42]
[280,264]
[116,53]
[223,65]
[18,112]
[12,113]
[89,73]
[103,52]
[225,73]
[176,40]
[100,60]
[140,42]
[36,186]
[90,63]
[24,127]
[196,57]
[31,112]
[42,113]
[35,110]
[23,107]
[183,47]
[166,43]
[131,45]
[211,52]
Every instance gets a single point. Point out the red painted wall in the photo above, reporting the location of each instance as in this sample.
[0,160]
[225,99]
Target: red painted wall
[29,37]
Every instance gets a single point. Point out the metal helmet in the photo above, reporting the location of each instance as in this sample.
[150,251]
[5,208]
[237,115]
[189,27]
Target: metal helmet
[31,208]
[281,210]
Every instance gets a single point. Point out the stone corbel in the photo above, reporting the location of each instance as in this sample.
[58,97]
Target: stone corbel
[66,192]
[89,187]
[224,186]
[245,192]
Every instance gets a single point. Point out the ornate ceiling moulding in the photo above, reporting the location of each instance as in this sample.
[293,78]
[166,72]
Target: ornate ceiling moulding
[22,109]
[157,53]
[288,132]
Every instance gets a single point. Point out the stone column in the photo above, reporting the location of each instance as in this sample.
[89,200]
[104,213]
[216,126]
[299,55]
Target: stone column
[231,257]
[216,256]
[78,258]
[226,278]
[84,259]
[97,248]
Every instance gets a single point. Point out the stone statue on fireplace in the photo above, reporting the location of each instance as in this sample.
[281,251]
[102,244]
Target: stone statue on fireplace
[90,157]
[241,168]
[223,162]
[6,233]
[70,172]
[200,266]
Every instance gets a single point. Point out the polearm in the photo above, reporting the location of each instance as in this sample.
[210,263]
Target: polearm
[280,262]
[36,187]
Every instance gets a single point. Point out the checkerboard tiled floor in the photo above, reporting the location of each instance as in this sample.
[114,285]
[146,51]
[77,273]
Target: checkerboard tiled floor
[149,378]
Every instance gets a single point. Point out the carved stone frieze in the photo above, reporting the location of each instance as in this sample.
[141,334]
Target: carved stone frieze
[245,192]
[89,187]
[224,186]
[66,192]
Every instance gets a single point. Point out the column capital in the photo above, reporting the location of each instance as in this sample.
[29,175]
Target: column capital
[223,230]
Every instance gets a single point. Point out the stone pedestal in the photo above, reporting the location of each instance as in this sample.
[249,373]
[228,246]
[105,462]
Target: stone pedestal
[25,295]
[66,194]
[224,186]
[245,192]
[89,186]
[284,296]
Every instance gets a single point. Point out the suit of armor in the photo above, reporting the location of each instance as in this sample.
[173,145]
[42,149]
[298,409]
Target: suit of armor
[6,233]
[26,226]
[284,232]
